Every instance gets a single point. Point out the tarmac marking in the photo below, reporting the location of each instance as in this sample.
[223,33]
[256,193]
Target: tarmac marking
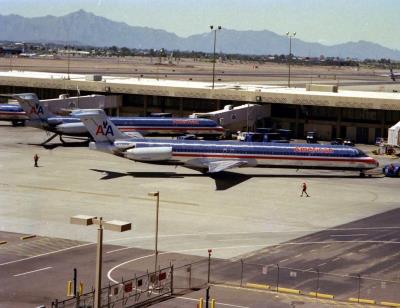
[102,194]
[284,260]
[119,249]
[299,255]
[45,254]
[360,234]
[218,303]
[234,239]
[322,264]
[30,272]
[336,259]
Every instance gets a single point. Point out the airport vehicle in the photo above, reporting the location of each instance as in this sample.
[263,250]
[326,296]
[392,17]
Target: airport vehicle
[311,137]
[72,126]
[13,113]
[391,170]
[340,141]
[261,137]
[216,156]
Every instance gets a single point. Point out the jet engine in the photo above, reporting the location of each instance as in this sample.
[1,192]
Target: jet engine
[149,153]
[72,129]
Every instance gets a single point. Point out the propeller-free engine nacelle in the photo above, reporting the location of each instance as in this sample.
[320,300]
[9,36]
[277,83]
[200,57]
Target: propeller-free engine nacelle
[149,153]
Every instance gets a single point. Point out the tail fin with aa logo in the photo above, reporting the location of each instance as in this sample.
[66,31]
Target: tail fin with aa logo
[100,127]
[34,109]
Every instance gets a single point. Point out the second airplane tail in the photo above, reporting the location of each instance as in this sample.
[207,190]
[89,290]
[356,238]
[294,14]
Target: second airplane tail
[34,109]
[100,127]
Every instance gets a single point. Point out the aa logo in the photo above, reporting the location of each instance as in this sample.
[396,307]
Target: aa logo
[104,129]
[37,109]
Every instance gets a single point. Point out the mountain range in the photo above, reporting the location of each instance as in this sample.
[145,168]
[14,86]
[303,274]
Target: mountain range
[90,30]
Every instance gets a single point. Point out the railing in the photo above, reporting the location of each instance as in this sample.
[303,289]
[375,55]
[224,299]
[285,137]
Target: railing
[170,281]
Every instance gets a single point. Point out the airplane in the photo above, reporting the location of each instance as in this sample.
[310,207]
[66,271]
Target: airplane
[392,75]
[215,156]
[13,113]
[72,126]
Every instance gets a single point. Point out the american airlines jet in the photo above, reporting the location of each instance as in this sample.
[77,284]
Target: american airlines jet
[216,156]
[72,126]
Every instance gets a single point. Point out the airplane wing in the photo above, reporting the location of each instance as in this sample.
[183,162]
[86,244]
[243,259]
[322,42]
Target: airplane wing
[217,166]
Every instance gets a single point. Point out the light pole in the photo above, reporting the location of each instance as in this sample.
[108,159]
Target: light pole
[215,42]
[112,225]
[290,35]
[156,194]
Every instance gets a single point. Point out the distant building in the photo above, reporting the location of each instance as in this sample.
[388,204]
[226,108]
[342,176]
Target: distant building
[10,50]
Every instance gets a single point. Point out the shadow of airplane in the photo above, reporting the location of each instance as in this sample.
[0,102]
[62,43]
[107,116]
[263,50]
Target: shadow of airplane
[223,180]
[52,146]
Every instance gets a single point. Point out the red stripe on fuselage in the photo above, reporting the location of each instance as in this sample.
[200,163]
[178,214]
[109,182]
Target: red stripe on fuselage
[12,113]
[134,128]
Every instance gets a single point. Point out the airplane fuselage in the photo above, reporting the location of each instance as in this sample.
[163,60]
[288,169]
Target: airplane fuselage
[13,113]
[199,154]
[144,125]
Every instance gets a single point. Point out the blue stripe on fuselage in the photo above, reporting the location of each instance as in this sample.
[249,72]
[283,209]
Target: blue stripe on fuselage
[169,122]
[10,108]
[234,147]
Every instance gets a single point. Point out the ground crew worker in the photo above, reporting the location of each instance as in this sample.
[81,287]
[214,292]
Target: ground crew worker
[304,190]
[36,159]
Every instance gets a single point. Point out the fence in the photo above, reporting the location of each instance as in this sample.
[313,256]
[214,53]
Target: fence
[170,281]
[136,292]
[310,282]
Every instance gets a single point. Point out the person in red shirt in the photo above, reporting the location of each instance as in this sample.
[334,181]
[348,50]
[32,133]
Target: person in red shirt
[304,190]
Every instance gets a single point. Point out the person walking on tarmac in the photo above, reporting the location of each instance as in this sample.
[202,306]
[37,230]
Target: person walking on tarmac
[304,190]
[36,159]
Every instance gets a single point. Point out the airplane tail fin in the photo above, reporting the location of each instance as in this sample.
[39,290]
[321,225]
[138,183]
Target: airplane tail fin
[34,109]
[99,126]
[392,76]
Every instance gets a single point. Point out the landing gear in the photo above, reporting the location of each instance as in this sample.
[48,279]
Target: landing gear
[48,140]
[362,174]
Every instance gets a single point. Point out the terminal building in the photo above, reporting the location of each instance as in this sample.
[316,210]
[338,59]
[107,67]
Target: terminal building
[358,115]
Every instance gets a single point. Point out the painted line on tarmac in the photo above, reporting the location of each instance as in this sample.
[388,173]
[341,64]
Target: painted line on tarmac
[30,272]
[217,304]
[169,252]
[119,249]
[235,239]
[230,247]
[344,235]
[102,194]
[45,254]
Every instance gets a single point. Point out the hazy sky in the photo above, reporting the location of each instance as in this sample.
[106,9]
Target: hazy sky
[325,21]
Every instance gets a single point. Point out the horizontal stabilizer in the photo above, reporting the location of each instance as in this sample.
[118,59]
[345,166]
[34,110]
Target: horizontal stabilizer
[217,166]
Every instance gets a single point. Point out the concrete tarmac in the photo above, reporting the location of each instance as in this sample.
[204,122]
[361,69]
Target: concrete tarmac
[236,213]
